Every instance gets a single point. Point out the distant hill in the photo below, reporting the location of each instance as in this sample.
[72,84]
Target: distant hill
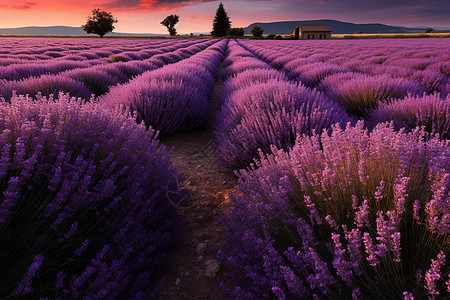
[57,30]
[338,27]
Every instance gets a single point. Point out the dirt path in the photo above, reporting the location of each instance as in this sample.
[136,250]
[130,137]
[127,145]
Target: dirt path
[195,271]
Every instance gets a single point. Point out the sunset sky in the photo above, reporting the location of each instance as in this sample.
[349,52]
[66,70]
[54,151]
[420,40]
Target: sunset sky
[144,16]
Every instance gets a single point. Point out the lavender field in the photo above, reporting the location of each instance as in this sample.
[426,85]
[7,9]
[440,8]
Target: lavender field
[341,149]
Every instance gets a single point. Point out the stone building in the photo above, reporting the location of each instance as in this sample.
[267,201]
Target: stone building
[311,32]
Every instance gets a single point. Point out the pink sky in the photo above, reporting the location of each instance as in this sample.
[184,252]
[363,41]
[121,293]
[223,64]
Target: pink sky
[144,16]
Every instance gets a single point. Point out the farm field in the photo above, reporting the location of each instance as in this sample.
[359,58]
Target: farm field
[222,168]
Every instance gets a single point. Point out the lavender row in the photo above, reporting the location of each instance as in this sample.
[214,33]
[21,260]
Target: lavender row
[69,60]
[411,53]
[358,93]
[427,65]
[362,94]
[262,108]
[174,97]
[346,215]
[82,82]
[26,50]
[86,208]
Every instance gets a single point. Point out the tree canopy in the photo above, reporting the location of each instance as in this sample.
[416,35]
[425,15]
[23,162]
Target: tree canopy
[221,22]
[101,22]
[170,22]
[235,32]
[257,31]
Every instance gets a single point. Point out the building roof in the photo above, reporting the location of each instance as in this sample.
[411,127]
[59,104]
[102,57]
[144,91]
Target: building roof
[312,28]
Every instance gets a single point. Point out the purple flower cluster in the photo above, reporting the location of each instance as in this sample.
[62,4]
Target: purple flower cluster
[359,93]
[44,85]
[430,111]
[261,107]
[333,217]
[87,209]
[19,71]
[172,98]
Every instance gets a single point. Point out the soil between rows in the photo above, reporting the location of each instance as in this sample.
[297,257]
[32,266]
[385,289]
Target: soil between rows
[195,272]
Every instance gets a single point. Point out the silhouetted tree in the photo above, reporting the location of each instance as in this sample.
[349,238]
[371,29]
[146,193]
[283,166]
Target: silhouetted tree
[221,22]
[101,22]
[235,32]
[429,30]
[170,22]
[257,31]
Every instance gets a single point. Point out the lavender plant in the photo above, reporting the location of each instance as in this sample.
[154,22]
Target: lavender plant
[430,111]
[271,113]
[96,80]
[243,65]
[85,211]
[359,93]
[45,85]
[311,74]
[248,78]
[167,106]
[172,98]
[347,215]
[20,71]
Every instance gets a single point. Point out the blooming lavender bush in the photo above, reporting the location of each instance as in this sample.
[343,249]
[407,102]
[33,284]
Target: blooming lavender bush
[45,85]
[271,113]
[172,98]
[243,65]
[85,211]
[247,78]
[359,93]
[112,70]
[167,106]
[431,81]
[345,215]
[96,80]
[311,74]
[430,111]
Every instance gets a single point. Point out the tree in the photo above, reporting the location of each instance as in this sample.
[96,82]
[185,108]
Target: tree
[221,22]
[429,30]
[101,22]
[235,32]
[257,31]
[170,22]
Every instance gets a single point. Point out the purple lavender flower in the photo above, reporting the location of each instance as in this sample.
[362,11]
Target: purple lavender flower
[24,287]
[408,296]
[280,195]
[359,93]
[434,273]
[45,85]
[430,111]
[86,188]
[272,113]
[170,99]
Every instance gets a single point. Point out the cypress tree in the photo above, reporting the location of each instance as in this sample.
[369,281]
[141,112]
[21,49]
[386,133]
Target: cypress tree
[221,22]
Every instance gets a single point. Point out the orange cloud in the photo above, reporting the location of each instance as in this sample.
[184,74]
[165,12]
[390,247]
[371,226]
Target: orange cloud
[148,6]
[116,6]
[196,16]
[13,5]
